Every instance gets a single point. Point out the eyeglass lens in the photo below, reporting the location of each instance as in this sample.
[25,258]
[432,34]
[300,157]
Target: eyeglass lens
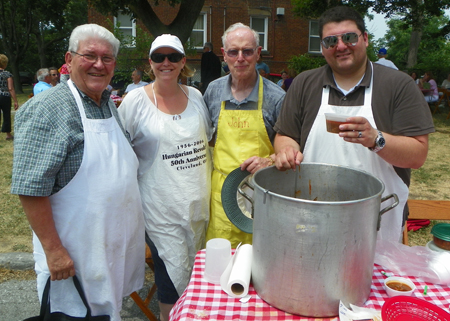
[93,59]
[347,38]
[245,52]
[159,57]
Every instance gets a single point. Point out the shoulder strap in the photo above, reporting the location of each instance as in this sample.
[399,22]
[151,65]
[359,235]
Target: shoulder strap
[45,305]
[82,296]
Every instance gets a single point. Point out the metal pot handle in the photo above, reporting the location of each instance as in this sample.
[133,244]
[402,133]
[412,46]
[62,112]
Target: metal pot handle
[244,183]
[390,207]
[232,185]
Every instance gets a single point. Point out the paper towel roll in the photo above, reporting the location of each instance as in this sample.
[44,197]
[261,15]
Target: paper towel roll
[235,280]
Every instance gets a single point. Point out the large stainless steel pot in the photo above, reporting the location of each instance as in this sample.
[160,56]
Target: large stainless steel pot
[314,236]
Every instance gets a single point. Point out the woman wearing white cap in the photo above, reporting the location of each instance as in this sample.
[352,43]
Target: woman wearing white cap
[169,127]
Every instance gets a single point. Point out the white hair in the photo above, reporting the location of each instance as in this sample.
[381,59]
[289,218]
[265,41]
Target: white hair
[42,73]
[239,25]
[89,31]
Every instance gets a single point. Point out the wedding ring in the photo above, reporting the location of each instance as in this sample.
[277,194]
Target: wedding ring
[359,134]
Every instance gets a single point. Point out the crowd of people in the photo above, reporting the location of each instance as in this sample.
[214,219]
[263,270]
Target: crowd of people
[98,182]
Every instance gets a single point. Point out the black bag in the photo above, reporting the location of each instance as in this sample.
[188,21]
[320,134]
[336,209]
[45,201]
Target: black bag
[45,314]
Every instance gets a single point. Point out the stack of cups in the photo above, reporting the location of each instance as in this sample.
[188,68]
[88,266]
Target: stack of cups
[218,255]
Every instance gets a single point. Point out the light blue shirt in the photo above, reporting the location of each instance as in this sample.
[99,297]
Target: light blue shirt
[40,87]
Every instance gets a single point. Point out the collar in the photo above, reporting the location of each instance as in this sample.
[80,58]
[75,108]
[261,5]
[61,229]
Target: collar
[365,82]
[228,96]
[105,95]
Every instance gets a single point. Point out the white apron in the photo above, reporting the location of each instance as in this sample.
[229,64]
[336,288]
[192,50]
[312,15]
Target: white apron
[324,147]
[176,193]
[98,216]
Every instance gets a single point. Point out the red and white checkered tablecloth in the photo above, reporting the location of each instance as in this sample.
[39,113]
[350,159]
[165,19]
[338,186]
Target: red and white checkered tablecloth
[204,301]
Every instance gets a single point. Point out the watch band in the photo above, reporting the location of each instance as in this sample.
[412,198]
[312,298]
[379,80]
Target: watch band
[380,142]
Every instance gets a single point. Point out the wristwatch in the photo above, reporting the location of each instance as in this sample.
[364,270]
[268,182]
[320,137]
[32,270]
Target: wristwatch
[380,142]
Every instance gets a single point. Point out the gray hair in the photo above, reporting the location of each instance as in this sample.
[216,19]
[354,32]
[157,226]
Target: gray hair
[208,45]
[139,72]
[239,25]
[89,31]
[42,73]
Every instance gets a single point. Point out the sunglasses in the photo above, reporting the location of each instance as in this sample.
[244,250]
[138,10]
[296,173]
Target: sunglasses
[349,38]
[245,52]
[173,57]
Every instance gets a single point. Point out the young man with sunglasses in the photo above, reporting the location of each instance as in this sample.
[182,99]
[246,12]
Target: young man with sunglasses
[244,108]
[387,125]
[54,75]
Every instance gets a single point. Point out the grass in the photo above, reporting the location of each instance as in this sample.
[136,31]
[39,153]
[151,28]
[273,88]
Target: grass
[431,181]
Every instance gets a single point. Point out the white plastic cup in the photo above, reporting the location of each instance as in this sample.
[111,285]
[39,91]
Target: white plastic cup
[333,121]
[218,254]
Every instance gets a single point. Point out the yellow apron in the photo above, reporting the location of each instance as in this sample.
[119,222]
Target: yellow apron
[241,134]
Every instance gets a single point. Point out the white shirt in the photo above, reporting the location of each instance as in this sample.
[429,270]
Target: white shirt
[387,63]
[132,86]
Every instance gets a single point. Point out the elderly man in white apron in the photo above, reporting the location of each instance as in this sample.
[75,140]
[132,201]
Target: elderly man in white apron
[76,176]
[387,124]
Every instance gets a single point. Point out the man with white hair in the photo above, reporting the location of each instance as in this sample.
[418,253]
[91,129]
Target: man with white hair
[244,108]
[44,79]
[75,173]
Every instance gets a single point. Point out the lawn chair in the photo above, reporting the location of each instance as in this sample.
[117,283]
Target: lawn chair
[143,304]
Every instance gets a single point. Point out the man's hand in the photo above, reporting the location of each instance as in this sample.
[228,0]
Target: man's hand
[288,153]
[358,130]
[59,263]
[40,215]
[400,151]
[255,163]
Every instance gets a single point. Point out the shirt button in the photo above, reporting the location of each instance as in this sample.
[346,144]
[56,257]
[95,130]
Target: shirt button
[345,98]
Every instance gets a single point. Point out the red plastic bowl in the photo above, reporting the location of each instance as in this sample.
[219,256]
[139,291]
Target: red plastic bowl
[404,308]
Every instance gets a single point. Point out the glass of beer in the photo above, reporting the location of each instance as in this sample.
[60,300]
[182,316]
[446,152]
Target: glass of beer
[333,121]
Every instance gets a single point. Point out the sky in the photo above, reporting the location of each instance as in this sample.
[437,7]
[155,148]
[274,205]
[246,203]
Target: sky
[378,26]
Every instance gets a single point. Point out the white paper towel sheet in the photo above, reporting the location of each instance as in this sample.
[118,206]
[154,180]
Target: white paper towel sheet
[235,280]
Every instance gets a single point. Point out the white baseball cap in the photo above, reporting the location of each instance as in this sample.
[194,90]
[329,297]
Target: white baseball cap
[167,40]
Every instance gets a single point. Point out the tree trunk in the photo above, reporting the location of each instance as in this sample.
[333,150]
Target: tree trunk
[416,37]
[417,12]
[181,26]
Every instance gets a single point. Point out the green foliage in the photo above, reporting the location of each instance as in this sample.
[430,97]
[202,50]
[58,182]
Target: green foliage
[433,52]
[304,62]
[133,52]
[312,9]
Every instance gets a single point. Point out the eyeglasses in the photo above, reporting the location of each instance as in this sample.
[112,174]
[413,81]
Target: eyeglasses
[107,60]
[173,57]
[245,52]
[349,38]
[54,74]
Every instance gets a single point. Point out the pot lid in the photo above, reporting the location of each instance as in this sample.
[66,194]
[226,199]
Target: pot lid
[441,231]
[230,203]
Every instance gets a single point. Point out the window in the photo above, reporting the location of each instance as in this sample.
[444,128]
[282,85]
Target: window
[314,38]
[198,35]
[127,27]
[261,25]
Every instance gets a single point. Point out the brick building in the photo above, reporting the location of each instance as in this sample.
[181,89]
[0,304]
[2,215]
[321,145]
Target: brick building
[282,35]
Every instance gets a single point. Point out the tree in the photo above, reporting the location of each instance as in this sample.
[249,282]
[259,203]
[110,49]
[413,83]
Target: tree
[181,26]
[53,22]
[15,29]
[433,52]
[43,22]
[415,13]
